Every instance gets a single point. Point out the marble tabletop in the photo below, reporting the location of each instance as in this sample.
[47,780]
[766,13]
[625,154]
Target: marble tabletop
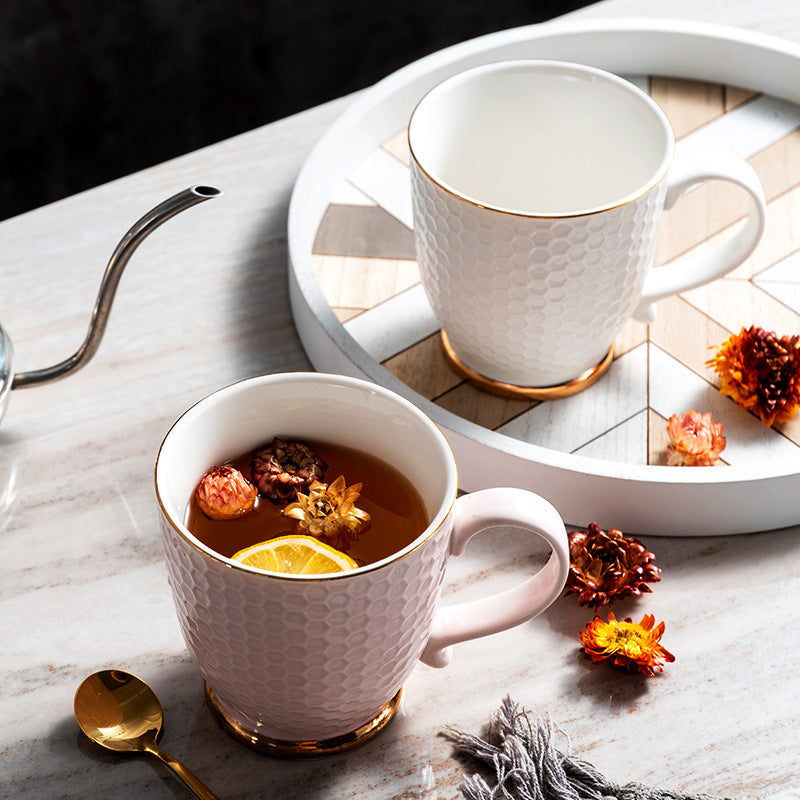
[204,303]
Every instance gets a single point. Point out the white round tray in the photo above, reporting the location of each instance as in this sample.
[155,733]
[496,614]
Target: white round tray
[639,499]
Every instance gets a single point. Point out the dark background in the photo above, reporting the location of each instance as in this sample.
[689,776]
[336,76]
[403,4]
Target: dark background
[91,90]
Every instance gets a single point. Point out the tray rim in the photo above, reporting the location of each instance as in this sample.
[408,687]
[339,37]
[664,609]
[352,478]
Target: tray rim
[701,51]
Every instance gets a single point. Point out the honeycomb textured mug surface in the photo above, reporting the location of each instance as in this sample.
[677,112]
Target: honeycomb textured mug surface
[511,291]
[342,648]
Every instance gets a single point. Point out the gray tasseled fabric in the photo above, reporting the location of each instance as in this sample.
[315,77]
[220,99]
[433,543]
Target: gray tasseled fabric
[528,766]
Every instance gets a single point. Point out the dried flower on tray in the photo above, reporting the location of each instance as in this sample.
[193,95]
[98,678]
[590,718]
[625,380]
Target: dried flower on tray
[606,565]
[282,469]
[634,646]
[760,372]
[329,513]
[224,493]
[695,440]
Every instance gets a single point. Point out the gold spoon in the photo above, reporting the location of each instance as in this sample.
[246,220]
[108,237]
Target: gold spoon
[121,712]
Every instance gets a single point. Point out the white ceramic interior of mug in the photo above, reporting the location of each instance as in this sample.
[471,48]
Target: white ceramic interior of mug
[541,138]
[331,408]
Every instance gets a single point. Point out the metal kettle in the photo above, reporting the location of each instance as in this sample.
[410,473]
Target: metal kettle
[105,297]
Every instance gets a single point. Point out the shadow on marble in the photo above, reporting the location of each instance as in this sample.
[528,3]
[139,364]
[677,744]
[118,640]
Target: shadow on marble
[9,438]
[601,684]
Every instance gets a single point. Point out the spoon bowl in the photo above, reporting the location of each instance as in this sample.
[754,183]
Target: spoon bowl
[120,712]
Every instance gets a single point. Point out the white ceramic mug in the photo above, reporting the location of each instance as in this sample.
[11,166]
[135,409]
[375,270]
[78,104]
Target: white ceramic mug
[307,665]
[537,189]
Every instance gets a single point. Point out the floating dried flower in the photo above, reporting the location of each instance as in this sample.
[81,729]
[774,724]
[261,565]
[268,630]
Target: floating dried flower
[329,513]
[635,646]
[606,565]
[224,493]
[282,469]
[695,440]
[761,372]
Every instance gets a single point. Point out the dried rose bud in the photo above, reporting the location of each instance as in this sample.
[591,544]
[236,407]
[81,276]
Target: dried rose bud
[225,494]
[283,469]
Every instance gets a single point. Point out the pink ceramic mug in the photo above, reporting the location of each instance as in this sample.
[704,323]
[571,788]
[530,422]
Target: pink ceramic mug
[315,664]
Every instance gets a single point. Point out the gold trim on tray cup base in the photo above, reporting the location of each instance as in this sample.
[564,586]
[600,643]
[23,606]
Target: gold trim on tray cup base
[283,748]
[583,381]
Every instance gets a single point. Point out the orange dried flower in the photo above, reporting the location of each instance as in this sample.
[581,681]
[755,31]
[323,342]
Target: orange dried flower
[634,646]
[695,440]
[761,372]
[606,565]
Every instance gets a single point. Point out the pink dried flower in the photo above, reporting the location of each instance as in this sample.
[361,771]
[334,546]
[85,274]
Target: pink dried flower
[695,440]
[224,493]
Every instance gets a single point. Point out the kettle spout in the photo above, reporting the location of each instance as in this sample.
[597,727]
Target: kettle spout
[108,286]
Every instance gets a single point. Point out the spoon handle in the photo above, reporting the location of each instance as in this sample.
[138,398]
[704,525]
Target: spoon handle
[183,772]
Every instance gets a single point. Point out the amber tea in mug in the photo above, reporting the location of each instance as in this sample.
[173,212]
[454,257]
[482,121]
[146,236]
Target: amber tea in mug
[397,514]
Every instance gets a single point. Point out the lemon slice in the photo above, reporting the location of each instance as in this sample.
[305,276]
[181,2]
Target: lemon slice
[295,555]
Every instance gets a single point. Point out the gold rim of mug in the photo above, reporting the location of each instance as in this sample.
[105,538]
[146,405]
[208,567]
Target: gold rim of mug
[429,532]
[509,390]
[609,76]
[286,748]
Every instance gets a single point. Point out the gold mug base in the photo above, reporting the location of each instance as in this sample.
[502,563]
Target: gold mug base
[509,390]
[284,748]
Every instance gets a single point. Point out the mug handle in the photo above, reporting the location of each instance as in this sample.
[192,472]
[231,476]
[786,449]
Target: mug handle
[474,513]
[686,172]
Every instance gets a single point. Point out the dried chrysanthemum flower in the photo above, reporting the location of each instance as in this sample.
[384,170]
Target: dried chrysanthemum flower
[606,565]
[329,513]
[224,493]
[761,372]
[635,646]
[695,440]
[282,469]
